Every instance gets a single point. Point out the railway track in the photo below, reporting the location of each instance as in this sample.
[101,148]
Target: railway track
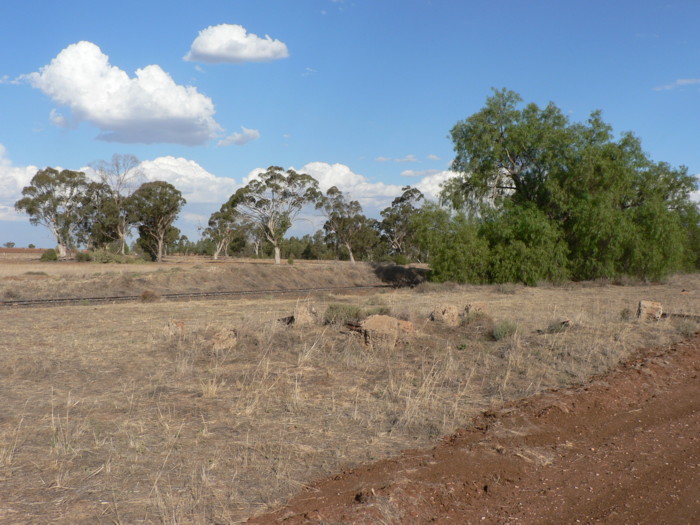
[63,301]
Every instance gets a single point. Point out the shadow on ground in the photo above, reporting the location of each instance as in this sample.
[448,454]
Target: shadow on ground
[400,276]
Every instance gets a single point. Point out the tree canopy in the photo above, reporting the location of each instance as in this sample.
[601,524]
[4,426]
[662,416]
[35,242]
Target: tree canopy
[272,201]
[154,207]
[56,200]
[617,211]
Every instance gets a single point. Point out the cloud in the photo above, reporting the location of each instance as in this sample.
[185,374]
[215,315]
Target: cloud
[678,83]
[407,158]
[148,108]
[196,184]
[12,180]
[695,196]
[433,157]
[239,139]
[373,196]
[232,44]
[418,173]
[431,185]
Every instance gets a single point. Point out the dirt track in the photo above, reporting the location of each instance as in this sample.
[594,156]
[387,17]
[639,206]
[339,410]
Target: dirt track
[624,448]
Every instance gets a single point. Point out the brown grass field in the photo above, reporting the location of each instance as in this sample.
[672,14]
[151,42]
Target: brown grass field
[147,413]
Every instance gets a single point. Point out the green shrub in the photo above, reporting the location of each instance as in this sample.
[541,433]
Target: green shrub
[339,313]
[378,310]
[503,329]
[49,255]
[83,257]
[526,246]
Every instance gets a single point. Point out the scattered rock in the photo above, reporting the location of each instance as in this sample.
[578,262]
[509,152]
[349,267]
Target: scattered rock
[649,310]
[446,314]
[380,331]
[473,308]
[305,313]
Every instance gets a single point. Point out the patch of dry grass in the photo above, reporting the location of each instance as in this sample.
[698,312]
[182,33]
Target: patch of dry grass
[144,413]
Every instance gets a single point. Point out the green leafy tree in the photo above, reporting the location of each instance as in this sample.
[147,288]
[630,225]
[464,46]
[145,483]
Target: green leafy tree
[396,225]
[504,151]
[344,219]
[122,175]
[525,246]
[618,211]
[98,227]
[56,200]
[452,244]
[154,207]
[273,200]
[224,226]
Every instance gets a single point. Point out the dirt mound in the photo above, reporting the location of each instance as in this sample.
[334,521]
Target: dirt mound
[624,448]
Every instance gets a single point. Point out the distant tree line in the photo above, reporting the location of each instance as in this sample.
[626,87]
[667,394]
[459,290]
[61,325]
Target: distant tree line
[536,198]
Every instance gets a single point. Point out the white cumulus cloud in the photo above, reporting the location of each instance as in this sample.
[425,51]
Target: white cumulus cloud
[12,180]
[695,196]
[430,185]
[231,43]
[148,108]
[239,139]
[373,196]
[196,184]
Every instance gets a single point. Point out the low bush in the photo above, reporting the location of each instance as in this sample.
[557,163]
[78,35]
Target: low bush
[49,255]
[503,329]
[339,313]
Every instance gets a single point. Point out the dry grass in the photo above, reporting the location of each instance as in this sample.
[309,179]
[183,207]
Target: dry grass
[137,413]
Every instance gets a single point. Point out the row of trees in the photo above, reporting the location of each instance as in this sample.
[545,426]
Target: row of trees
[536,198]
[95,214]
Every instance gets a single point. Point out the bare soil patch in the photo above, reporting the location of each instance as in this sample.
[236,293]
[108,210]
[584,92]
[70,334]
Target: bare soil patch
[214,411]
[624,448]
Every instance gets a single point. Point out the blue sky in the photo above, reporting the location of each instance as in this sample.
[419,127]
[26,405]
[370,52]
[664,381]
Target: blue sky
[361,94]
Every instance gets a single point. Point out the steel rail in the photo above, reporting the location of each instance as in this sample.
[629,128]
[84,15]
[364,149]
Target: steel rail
[178,296]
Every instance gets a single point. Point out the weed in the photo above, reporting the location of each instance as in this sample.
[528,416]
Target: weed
[503,329]
[11,294]
[626,314]
[49,255]
[687,328]
[149,296]
[341,313]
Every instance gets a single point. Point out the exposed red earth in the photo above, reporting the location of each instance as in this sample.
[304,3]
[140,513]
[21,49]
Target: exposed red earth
[624,448]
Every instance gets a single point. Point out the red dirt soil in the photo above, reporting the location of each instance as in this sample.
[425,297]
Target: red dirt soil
[624,448]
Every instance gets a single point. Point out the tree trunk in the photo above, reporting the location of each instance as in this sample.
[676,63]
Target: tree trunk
[159,256]
[352,258]
[278,260]
[62,251]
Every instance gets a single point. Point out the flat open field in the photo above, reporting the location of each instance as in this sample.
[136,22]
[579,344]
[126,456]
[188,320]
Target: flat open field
[214,411]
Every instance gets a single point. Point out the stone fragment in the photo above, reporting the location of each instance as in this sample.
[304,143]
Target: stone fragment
[649,310]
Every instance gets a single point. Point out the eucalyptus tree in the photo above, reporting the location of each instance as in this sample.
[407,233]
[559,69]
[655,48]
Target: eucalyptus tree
[396,224]
[122,175]
[344,219]
[154,207]
[56,200]
[272,201]
[223,227]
